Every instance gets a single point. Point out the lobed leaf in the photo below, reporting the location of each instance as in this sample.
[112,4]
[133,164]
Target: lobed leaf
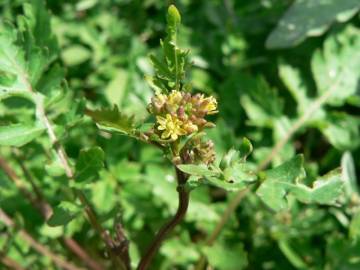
[232,174]
[336,67]
[283,180]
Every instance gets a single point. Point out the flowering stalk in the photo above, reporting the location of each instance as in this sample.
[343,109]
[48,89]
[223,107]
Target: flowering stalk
[179,115]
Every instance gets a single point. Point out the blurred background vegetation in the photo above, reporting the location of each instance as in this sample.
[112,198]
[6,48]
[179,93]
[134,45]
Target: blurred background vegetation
[285,73]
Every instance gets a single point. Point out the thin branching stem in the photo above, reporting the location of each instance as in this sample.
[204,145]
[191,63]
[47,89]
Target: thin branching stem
[38,201]
[64,161]
[10,263]
[59,261]
[168,227]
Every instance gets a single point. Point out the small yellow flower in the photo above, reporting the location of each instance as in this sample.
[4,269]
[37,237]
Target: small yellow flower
[170,127]
[174,98]
[209,105]
[159,100]
[190,127]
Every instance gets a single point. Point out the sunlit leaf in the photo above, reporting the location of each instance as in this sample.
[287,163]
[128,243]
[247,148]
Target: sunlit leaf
[336,67]
[228,257]
[19,134]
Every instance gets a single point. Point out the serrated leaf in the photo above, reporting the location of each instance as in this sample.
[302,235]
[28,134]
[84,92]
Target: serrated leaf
[325,190]
[170,68]
[89,163]
[63,214]
[113,120]
[284,180]
[309,18]
[12,64]
[26,52]
[19,134]
[336,67]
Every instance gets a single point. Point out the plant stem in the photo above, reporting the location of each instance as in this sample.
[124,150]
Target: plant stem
[8,262]
[38,99]
[61,154]
[45,210]
[62,263]
[298,124]
[168,227]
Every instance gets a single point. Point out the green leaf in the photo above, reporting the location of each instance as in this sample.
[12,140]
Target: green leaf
[354,228]
[284,180]
[230,185]
[325,190]
[274,188]
[309,18]
[113,120]
[37,22]
[231,157]
[116,89]
[75,55]
[291,254]
[226,257]
[26,52]
[349,174]
[12,65]
[170,69]
[232,174]
[261,103]
[342,131]
[197,170]
[63,214]
[295,83]
[336,67]
[245,149]
[89,163]
[19,134]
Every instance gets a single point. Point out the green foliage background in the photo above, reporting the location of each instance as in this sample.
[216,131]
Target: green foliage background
[273,65]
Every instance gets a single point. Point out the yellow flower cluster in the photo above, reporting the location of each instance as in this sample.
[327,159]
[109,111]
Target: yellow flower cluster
[180,113]
[170,127]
